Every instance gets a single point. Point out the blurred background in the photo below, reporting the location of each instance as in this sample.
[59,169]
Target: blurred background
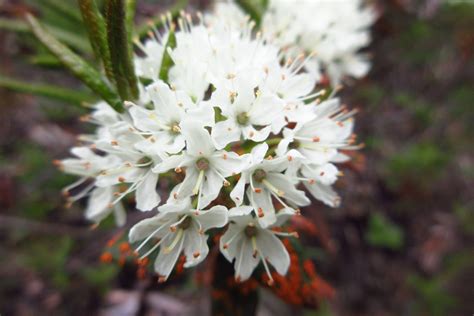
[400,244]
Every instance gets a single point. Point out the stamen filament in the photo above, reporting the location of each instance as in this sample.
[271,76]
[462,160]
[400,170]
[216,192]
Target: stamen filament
[179,234]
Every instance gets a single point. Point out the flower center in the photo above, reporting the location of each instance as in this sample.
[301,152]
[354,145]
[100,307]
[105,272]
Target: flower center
[185,223]
[202,164]
[242,118]
[175,129]
[259,175]
[250,231]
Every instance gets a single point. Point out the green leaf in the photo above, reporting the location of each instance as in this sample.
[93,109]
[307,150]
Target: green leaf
[122,64]
[96,29]
[167,61]
[53,92]
[130,9]
[159,21]
[45,60]
[383,233]
[80,68]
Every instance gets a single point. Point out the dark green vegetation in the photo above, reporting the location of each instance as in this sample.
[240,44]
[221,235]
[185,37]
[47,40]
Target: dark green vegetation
[398,245]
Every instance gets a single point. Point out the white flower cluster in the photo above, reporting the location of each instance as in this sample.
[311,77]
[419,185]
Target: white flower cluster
[239,124]
[334,30]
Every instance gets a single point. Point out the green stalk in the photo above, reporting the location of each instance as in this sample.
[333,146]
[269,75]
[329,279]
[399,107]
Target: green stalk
[96,29]
[80,68]
[122,64]
[131,6]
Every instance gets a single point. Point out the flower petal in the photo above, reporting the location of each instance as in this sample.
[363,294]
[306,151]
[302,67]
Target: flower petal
[146,196]
[225,132]
[213,218]
[195,246]
[165,261]
[263,206]
[98,204]
[273,250]
[198,140]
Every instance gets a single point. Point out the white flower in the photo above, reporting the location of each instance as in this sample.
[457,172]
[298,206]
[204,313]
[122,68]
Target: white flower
[162,124]
[249,114]
[248,243]
[88,165]
[319,139]
[266,181]
[335,30]
[206,167]
[179,228]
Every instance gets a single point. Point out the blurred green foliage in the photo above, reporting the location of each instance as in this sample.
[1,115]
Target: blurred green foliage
[49,258]
[421,163]
[420,109]
[383,233]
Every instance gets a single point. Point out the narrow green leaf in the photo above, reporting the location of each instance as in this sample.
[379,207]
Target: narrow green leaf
[80,68]
[158,22]
[96,29]
[53,92]
[122,65]
[167,61]
[45,60]
[70,39]
[130,8]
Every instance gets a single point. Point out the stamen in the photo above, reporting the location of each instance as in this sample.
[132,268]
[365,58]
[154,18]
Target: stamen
[198,182]
[179,234]
[272,188]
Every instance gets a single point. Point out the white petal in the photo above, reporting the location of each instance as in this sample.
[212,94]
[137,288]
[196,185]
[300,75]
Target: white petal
[165,102]
[98,204]
[146,196]
[291,193]
[262,203]
[228,163]
[180,206]
[213,218]
[240,210]
[234,233]
[210,188]
[145,120]
[170,163]
[258,152]
[265,110]
[237,194]
[143,229]
[165,261]
[283,215]
[324,193]
[203,113]
[225,132]
[198,140]
[249,132]
[195,244]
[185,188]
[273,250]
[245,263]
